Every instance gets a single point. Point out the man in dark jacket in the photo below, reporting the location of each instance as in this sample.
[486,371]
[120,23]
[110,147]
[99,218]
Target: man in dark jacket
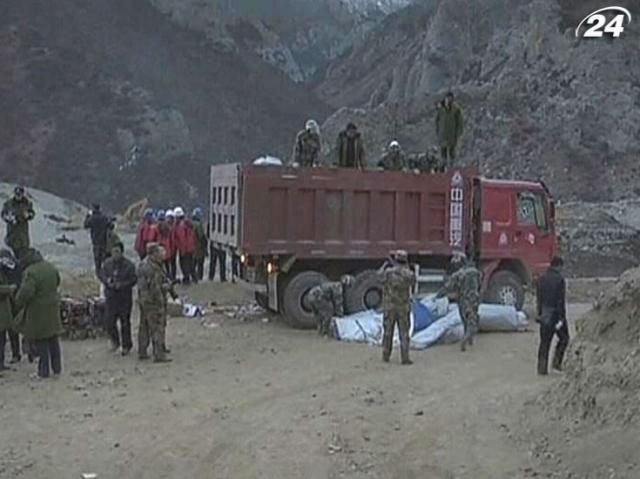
[449,126]
[16,213]
[7,265]
[118,275]
[350,148]
[38,306]
[552,316]
[202,241]
[98,225]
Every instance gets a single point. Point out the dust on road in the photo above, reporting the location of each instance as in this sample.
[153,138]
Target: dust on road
[259,400]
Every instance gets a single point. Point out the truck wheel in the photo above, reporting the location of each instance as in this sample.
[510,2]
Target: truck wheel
[506,287]
[366,292]
[297,310]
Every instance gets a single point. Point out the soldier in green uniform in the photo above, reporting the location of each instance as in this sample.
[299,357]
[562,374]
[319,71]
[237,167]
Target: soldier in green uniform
[153,287]
[38,306]
[449,126]
[7,264]
[308,145]
[465,284]
[398,282]
[16,213]
[327,301]
[394,159]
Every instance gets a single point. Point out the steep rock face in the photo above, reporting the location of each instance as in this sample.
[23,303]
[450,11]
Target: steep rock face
[110,101]
[300,37]
[538,101]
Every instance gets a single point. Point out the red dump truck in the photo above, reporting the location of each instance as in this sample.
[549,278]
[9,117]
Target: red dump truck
[292,228]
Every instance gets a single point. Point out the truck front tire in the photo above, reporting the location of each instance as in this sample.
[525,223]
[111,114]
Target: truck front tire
[506,287]
[366,292]
[297,311]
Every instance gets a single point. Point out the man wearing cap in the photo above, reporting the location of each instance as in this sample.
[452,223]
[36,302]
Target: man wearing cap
[153,287]
[449,126]
[398,283]
[118,275]
[98,225]
[307,146]
[350,148]
[327,301]
[16,213]
[394,159]
[465,283]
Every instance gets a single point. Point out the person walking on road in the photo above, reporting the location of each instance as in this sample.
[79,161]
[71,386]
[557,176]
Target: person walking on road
[38,305]
[449,127]
[327,301]
[118,275]
[398,283]
[465,283]
[98,225]
[153,286]
[17,212]
[552,316]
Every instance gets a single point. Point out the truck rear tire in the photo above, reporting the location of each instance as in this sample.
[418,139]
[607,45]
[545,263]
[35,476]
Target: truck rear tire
[506,287]
[297,311]
[366,292]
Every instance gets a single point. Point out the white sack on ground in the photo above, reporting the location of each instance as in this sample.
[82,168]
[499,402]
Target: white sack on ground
[366,327]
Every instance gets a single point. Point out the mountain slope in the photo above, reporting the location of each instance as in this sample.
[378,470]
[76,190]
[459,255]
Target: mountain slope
[538,101]
[111,101]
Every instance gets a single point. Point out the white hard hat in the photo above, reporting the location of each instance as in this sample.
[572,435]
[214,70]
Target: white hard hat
[311,125]
[394,144]
[179,212]
[170,213]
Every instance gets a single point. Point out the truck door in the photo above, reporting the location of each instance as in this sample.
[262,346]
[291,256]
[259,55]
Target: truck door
[533,238]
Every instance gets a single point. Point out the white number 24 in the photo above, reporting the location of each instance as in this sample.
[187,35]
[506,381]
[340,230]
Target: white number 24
[614,27]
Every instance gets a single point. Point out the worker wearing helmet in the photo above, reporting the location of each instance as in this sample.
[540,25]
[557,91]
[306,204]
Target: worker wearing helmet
[394,159]
[398,282]
[465,283]
[147,233]
[167,236]
[308,144]
[327,301]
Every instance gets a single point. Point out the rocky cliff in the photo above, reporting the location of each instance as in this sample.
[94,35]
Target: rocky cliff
[538,101]
[112,101]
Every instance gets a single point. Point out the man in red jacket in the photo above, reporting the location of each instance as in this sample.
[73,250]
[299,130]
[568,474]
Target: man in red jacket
[147,233]
[166,238]
[185,244]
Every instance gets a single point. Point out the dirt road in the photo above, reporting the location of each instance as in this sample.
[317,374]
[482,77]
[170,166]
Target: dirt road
[260,400]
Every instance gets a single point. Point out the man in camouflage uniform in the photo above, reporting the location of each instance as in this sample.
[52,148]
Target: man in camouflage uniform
[308,145]
[16,213]
[465,283]
[327,301]
[398,282]
[427,162]
[153,286]
[394,159]
[449,126]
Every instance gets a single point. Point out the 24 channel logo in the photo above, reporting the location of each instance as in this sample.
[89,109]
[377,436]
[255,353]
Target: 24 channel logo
[612,24]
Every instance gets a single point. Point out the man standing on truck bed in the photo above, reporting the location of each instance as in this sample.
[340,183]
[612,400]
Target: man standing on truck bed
[398,282]
[308,145]
[327,300]
[449,125]
[394,159]
[552,316]
[350,148]
[465,283]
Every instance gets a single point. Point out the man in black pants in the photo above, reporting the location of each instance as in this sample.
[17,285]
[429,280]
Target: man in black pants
[552,316]
[98,225]
[118,275]
[217,254]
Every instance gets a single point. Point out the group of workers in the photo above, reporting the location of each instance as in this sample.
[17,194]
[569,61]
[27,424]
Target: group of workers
[351,153]
[464,283]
